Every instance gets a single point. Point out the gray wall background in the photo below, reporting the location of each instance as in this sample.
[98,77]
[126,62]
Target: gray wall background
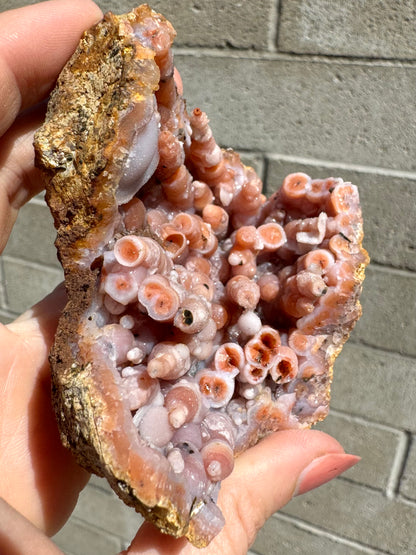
[326,87]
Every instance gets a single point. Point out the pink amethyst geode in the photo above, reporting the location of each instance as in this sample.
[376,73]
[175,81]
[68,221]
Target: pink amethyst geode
[201,315]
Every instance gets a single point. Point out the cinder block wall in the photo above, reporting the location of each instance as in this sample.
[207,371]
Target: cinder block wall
[325,87]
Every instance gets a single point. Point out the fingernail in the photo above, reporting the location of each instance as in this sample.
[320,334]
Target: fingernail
[323,469]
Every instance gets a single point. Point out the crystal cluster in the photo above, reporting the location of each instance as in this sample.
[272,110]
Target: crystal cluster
[201,315]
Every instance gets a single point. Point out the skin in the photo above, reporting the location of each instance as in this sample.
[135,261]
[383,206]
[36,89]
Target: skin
[39,480]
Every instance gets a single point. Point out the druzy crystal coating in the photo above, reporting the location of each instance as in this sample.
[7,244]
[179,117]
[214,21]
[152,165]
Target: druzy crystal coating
[201,314]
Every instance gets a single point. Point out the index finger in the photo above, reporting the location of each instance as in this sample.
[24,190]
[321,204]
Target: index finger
[35,43]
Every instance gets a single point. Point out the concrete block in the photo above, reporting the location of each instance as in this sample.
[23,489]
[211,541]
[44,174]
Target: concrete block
[408,480]
[79,538]
[6,317]
[3,302]
[12,4]
[212,23]
[282,536]
[100,483]
[209,23]
[388,202]
[27,283]
[389,303]
[375,445]
[359,514]
[105,511]
[253,159]
[355,28]
[376,385]
[33,235]
[356,113]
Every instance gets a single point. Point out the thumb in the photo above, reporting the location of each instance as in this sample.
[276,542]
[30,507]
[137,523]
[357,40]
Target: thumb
[264,479]
[282,465]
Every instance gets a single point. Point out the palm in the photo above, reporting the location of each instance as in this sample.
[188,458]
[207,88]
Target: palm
[39,477]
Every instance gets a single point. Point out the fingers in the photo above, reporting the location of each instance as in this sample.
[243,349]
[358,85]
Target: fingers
[17,533]
[19,179]
[268,475]
[45,479]
[264,479]
[35,43]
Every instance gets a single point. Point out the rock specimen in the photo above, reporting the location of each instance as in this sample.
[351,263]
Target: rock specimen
[200,315]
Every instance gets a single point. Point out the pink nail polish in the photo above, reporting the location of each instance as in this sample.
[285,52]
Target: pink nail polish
[323,469]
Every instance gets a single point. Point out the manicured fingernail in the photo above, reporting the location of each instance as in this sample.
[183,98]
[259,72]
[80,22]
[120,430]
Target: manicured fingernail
[324,469]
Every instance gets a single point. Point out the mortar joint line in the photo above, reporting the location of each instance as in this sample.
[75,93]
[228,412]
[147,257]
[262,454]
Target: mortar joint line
[359,419]
[398,466]
[363,168]
[406,500]
[398,271]
[371,346]
[358,483]
[321,532]
[266,169]
[274,25]
[281,55]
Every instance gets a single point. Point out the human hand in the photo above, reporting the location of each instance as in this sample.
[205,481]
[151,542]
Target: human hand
[38,477]
[264,479]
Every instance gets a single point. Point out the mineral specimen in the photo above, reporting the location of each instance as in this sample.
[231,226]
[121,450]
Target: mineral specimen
[201,315]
